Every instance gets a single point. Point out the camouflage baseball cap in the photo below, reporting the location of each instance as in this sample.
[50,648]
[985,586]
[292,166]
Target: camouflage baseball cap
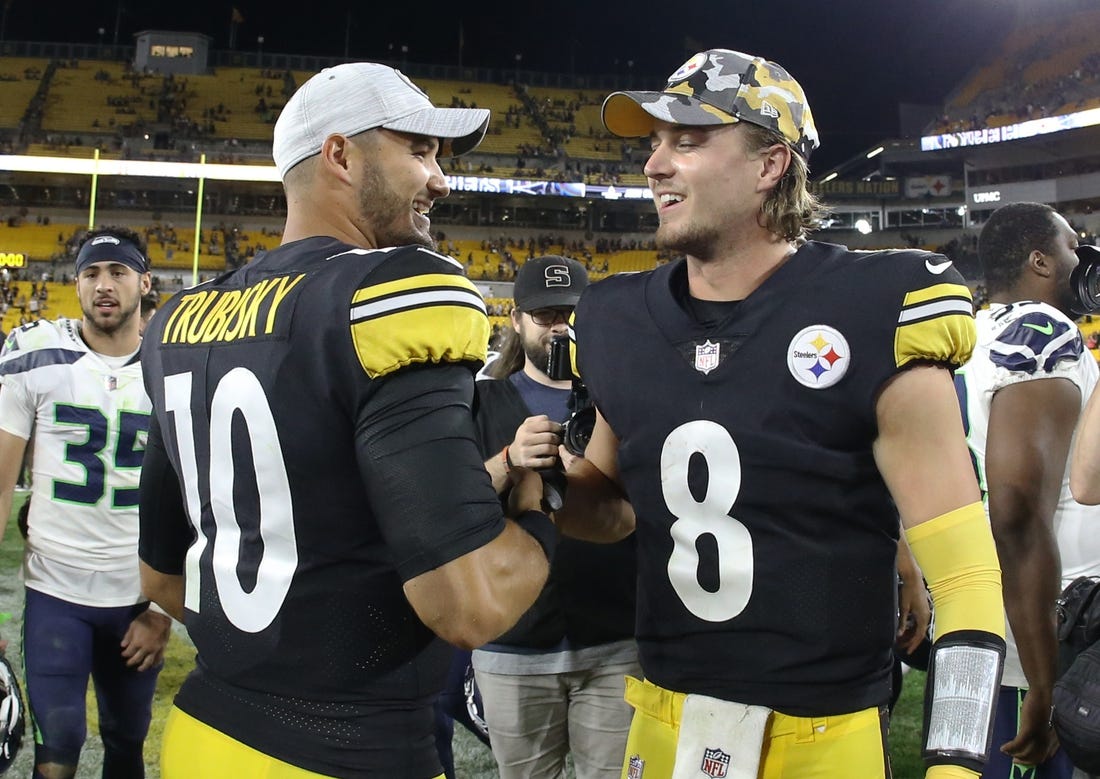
[719,86]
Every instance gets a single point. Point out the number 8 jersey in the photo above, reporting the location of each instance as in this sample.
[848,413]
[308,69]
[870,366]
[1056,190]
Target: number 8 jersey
[89,416]
[766,535]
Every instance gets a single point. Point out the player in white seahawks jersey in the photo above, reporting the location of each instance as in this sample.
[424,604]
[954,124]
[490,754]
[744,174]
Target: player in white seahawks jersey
[74,388]
[1021,394]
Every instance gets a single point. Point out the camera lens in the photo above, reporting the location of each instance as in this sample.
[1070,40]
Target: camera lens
[1085,280]
[577,432]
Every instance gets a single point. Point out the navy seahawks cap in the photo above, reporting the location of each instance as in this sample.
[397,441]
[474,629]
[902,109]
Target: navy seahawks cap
[111,248]
[543,282]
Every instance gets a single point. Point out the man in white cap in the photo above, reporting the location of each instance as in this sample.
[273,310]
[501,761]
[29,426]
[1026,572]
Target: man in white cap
[314,506]
[769,405]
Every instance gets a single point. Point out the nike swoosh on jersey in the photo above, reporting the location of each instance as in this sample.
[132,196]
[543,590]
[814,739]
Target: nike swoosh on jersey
[937,269]
[1047,329]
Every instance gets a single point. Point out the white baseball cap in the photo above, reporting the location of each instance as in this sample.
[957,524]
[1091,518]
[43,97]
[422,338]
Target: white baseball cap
[358,96]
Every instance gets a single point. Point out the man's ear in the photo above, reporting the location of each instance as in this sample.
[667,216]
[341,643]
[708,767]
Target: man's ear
[776,160]
[335,153]
[1037,263]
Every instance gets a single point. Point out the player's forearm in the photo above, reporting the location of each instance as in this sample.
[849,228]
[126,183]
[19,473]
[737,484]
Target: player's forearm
[163,589]
[595,508]
[477,597]
[1030,577]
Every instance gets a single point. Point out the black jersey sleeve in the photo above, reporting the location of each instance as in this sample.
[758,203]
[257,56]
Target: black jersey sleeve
[419,460]
[165,532]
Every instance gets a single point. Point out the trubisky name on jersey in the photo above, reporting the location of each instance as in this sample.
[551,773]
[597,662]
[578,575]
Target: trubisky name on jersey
[215,315]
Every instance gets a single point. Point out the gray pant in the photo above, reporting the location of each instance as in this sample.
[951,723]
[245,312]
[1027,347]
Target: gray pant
[536,720]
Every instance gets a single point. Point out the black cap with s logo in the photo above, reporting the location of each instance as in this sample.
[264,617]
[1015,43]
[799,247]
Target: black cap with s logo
[549,281]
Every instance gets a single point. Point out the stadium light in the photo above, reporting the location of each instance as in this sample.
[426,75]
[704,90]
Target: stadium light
[88,166]
[875,152]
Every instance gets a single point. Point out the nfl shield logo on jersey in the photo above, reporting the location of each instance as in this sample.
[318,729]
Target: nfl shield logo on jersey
[706,357]
[715,763]
[634,767]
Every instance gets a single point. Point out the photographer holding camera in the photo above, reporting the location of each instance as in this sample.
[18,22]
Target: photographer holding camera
[553,684]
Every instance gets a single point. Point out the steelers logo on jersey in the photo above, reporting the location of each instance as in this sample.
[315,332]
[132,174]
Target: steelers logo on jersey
[818,357]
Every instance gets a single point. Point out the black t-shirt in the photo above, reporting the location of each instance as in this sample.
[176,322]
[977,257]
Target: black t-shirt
[589,597]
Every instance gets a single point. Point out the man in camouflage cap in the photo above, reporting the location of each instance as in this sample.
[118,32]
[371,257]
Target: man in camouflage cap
[767,407]
[719,87]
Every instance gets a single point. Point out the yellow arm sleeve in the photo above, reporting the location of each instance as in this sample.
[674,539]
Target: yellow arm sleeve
[959,560]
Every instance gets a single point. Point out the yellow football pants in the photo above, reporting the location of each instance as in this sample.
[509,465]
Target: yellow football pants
[845,746]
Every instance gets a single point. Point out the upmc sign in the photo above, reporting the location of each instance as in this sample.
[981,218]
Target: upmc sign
[988,198]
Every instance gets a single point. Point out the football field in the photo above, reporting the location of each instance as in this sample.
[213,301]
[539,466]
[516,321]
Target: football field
[472,759]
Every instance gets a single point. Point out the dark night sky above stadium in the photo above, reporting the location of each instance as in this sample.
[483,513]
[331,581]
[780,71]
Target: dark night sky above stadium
[856,59]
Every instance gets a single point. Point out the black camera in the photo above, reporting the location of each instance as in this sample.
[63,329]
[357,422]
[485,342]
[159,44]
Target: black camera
[1085,281]
[575,431]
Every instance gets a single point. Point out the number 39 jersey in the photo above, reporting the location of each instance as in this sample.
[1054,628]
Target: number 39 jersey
[316,407]
[89,416]
[766,535]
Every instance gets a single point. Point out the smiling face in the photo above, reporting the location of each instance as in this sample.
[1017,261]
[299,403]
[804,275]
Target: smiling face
[706,186]
[398,181]
[110,295]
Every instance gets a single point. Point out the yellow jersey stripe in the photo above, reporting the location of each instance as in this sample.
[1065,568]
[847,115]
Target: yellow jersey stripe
[926,294]
[413,284]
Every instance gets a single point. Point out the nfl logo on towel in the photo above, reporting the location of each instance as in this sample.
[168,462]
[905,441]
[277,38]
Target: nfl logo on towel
[706,357]
[715,763]
[635,767]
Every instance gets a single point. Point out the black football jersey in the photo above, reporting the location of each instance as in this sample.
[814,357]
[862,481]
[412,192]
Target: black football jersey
[766,535]
[315,405]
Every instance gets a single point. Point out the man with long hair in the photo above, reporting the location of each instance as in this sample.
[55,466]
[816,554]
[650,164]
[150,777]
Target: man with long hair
[768,406]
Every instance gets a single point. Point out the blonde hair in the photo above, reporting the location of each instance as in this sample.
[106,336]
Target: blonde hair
[790,210]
